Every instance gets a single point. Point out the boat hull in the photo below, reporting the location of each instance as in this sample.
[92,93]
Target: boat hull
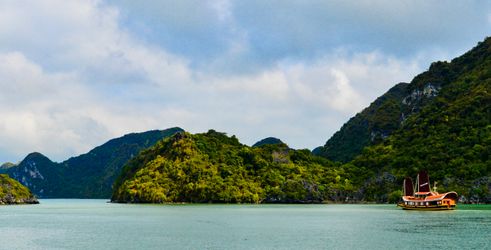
[426,208]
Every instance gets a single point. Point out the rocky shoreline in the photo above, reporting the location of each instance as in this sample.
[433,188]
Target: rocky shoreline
[10,200]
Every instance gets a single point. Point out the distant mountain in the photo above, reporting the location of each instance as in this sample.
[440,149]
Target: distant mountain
[6,166]
[213,167]
[12,192]
[89,175]
[38,173]
[267,141]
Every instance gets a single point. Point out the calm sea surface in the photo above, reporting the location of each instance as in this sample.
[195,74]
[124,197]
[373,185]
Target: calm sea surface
[96,224]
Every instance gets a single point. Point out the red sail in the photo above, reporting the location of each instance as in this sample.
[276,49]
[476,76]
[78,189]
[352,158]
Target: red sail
[423,182]
[408,187]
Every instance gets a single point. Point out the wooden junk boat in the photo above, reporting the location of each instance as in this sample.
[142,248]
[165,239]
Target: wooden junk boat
[424,198]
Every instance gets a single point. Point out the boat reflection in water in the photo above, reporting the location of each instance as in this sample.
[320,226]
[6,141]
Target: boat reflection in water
[424,198]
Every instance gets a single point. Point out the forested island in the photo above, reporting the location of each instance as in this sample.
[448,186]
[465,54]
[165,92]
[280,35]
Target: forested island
[12,192]
[213,167]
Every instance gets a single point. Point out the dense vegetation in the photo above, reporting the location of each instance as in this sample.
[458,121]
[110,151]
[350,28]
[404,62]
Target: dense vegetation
[12,192]
[213,167]
[90,175]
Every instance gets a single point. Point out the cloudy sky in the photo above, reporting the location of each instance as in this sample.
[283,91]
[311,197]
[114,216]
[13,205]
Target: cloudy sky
[74,74]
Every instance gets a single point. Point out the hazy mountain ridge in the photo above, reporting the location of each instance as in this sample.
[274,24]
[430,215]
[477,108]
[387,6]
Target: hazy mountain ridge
[89,175]
[6,166]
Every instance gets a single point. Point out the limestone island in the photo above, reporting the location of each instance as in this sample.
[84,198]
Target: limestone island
[12,192]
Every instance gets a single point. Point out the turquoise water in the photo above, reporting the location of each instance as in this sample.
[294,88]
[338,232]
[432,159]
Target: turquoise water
[96,224]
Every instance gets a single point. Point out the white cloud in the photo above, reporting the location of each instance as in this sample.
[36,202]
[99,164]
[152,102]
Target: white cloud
[60,115]
[346,84]
[72,77]
[40,111]
[344,97]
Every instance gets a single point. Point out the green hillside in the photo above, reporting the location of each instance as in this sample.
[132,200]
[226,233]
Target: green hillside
[449,134]
[89,175]
[388,113]
[12,192]
[213,167]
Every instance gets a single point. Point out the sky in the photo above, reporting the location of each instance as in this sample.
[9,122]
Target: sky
[76,73]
